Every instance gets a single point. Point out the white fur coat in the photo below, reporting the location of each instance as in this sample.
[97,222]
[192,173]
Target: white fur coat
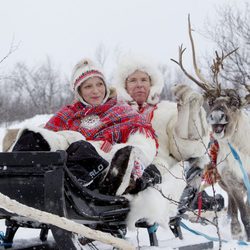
[174,147]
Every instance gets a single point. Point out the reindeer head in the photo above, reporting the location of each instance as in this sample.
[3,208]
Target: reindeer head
[223,112]
[223,105]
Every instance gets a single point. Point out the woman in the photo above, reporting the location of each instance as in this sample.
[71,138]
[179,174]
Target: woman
[98,132]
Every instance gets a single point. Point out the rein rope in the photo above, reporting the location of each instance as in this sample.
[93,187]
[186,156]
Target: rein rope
[243,170]
[239,242]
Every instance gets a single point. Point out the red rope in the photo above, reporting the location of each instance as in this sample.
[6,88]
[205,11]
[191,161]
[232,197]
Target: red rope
[199,206]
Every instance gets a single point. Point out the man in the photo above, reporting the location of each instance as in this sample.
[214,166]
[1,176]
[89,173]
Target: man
[181,128]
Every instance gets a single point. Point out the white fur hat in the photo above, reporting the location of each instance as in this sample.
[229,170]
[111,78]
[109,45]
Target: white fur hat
[128,66]
[84,70]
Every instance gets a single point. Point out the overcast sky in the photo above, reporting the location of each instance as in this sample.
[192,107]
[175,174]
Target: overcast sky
[68,30]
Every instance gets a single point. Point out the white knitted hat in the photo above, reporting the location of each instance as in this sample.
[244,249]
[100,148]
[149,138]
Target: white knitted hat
[84,70]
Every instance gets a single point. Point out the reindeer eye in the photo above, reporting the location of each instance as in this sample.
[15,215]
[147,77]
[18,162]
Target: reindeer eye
[235,102]
[210,102]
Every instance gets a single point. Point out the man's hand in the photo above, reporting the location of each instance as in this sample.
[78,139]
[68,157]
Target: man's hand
[150,177]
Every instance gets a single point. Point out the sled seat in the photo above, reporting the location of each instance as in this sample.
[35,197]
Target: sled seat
[41,180]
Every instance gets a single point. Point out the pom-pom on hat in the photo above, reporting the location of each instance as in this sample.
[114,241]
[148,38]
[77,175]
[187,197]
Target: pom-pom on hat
[84,70]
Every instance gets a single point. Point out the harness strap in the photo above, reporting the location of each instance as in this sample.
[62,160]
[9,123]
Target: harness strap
[243,170]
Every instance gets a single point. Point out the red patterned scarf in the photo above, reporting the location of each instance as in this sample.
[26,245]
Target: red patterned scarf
[147,110]
[112,122]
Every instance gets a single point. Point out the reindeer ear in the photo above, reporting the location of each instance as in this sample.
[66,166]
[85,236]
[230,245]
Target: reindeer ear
[205,96]
[246,99]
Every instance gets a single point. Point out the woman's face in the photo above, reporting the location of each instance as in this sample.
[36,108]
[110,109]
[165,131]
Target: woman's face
[138,86]
[93,91]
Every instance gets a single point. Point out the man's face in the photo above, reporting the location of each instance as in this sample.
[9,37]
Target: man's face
[138,86]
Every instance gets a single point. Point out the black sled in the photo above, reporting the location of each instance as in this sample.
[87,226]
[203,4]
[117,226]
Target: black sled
[42,180]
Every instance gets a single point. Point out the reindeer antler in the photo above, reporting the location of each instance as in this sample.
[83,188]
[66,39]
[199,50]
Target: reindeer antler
[197,70]
[180,63]
[201,82]
[218,65]
[210,89]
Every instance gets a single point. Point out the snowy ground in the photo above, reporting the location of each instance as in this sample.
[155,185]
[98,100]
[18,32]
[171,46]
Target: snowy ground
[139,237]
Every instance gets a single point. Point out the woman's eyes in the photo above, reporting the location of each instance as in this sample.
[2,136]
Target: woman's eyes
[100,84]
[87,86]
[91,86]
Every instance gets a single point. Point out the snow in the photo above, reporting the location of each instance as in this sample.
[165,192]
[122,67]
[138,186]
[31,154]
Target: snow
[139,237]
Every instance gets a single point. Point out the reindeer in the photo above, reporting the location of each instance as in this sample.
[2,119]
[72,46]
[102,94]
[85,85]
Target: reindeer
[230,126]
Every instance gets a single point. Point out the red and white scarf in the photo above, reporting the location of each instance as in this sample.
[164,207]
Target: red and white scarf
[112,121]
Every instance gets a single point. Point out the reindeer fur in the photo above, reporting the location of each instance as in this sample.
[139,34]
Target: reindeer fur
[237,133]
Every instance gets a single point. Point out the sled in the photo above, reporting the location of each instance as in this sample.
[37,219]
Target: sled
[42,180]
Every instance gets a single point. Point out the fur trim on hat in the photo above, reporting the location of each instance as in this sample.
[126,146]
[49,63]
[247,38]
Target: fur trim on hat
[84,70]
[128,66]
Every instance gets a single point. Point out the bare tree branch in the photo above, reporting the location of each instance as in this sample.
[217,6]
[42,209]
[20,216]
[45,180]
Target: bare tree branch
[12,49]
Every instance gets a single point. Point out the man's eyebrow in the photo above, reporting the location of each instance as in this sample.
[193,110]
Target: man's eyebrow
[132,78]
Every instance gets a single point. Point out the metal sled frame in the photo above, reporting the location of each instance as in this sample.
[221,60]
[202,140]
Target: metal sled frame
[42,180]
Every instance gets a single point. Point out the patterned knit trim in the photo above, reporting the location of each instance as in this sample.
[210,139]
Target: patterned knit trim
[86,74]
